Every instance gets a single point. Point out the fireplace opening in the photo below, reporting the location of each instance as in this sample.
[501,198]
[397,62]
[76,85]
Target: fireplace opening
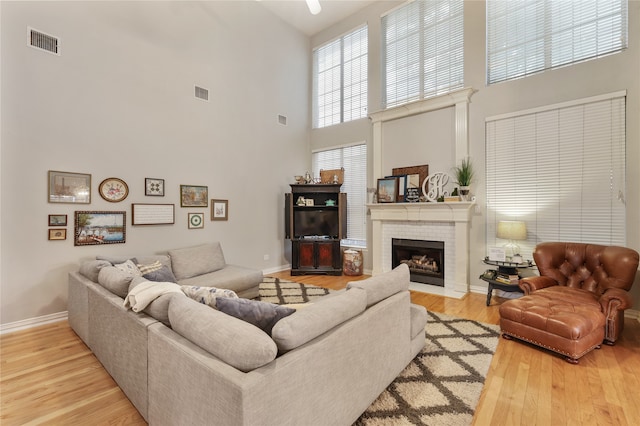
[424,258]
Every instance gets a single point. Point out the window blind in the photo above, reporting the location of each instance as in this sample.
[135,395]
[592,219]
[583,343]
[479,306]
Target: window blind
[525,37]
[354,161]
[340,79]
[561,170]
[423,50]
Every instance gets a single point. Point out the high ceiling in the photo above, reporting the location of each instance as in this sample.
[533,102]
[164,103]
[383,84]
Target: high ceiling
[297,14]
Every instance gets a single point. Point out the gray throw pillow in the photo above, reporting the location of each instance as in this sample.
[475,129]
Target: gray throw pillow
[163,274]
[91,269]
[261,314]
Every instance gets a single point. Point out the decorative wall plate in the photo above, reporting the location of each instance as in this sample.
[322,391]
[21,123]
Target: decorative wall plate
[113,190]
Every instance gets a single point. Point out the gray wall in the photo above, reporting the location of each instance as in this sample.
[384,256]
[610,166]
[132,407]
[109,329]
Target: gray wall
[609,74]
[119,101]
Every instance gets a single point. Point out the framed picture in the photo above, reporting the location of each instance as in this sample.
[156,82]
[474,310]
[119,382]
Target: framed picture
[387,190]
[152,214]
[309,202]
[57,234]
[402,187]
[415,174]
[68,187]
[97,228]
[57,220]
[219,210]
[194,196]
[154,187]
[196,220]
[113,190]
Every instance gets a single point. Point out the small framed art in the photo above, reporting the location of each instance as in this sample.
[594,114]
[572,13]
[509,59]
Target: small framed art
[57,234]
[194,196]
[152,214]
[68,187]
[97,228]
[196,220]
[57,220]
[154,187]
[387,190]
[219,210]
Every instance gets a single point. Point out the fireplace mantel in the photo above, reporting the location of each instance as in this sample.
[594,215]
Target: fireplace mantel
[453,214]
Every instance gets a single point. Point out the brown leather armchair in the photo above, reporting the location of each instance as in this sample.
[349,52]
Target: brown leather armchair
[579,273]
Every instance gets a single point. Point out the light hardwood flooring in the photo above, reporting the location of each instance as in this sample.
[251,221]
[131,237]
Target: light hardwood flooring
[48,376]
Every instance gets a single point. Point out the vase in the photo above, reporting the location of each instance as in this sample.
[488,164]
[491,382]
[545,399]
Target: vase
[464,193]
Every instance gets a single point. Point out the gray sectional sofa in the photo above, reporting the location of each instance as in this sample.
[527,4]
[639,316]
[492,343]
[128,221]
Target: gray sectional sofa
[181,362]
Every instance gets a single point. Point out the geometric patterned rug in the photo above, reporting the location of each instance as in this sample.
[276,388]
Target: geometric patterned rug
[441,386]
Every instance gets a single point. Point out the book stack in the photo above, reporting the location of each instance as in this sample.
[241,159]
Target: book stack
[508,278]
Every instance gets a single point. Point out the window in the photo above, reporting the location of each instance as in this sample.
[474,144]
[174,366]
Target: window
[525,37]
[423,55]
[561,170]
[354,161]
[340,80]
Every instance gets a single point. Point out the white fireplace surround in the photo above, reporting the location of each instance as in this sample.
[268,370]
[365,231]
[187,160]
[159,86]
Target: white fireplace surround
[447,222]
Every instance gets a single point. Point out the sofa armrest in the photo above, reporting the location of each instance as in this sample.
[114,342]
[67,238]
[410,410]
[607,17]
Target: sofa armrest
[531,284]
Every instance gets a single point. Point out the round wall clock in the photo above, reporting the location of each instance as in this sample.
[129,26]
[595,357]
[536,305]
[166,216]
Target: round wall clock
[113,190]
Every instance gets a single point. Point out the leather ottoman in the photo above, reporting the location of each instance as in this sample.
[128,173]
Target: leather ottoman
[569,326]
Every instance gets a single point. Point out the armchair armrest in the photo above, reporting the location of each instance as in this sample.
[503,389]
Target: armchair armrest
[615,299]
[531,284]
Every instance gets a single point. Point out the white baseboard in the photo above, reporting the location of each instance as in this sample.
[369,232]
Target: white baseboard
[32,322]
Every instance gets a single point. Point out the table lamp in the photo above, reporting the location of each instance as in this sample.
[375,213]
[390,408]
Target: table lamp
[513,231]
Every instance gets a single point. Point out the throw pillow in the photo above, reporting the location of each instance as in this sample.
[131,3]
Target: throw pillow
[129,267]
[149,267]
[261,314]
[163,274]
[207,295]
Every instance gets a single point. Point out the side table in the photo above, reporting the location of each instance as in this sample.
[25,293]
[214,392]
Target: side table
[505,268]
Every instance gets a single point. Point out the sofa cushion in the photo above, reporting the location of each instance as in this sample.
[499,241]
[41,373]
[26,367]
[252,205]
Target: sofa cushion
[233,341]
[115,280]
[191,261]
[91,269]
[261,314]
[207,295]
[384,285]
[129,267]
[163,274]
[323,315]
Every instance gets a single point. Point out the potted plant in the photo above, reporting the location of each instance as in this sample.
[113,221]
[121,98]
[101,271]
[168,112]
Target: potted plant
[464,176]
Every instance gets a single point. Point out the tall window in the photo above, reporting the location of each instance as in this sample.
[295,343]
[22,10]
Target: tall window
[561,170]
[525,37]
[340,80]
[423,55]
[354,161]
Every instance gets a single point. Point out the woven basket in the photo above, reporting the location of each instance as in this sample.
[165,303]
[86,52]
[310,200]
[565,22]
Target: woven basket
[326,176]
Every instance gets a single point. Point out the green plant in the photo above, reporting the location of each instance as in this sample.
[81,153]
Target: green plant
[464,173]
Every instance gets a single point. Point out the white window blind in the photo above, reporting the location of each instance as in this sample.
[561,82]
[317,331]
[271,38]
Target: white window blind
[525,37]
[340,79]
[354,161]
[423,55]
[561,170]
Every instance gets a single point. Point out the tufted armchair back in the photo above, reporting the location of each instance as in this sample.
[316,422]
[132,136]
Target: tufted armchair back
[591,267]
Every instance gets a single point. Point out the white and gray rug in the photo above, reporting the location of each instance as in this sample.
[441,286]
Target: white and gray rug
[441,386]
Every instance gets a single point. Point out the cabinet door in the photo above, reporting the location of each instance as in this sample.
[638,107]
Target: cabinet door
[306,255]
[325,255]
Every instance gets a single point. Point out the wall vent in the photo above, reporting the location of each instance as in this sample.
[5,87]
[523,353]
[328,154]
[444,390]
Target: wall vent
[282,119]
[202,93]
[39,40]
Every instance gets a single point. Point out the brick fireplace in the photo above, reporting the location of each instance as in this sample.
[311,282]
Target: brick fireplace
[444,222]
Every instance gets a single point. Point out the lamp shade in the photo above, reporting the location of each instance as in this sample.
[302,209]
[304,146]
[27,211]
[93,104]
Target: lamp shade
[512,230]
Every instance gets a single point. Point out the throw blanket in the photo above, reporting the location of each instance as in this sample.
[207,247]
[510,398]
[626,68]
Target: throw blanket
[144,293]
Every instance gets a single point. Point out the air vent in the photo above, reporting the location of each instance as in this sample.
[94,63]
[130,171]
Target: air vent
[282,119]
[42,41]
[202,93]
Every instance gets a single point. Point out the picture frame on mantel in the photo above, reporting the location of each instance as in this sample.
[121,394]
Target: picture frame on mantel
[387,190]
[415,174]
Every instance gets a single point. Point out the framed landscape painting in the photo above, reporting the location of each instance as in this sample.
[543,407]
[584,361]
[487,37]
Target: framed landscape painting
[194,196]
[97,228]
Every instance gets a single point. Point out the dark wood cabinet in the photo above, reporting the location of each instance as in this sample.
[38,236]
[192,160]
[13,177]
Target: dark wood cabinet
[315,222]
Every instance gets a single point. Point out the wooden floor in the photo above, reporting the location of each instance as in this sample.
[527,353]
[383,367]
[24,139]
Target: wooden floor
[48,376]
